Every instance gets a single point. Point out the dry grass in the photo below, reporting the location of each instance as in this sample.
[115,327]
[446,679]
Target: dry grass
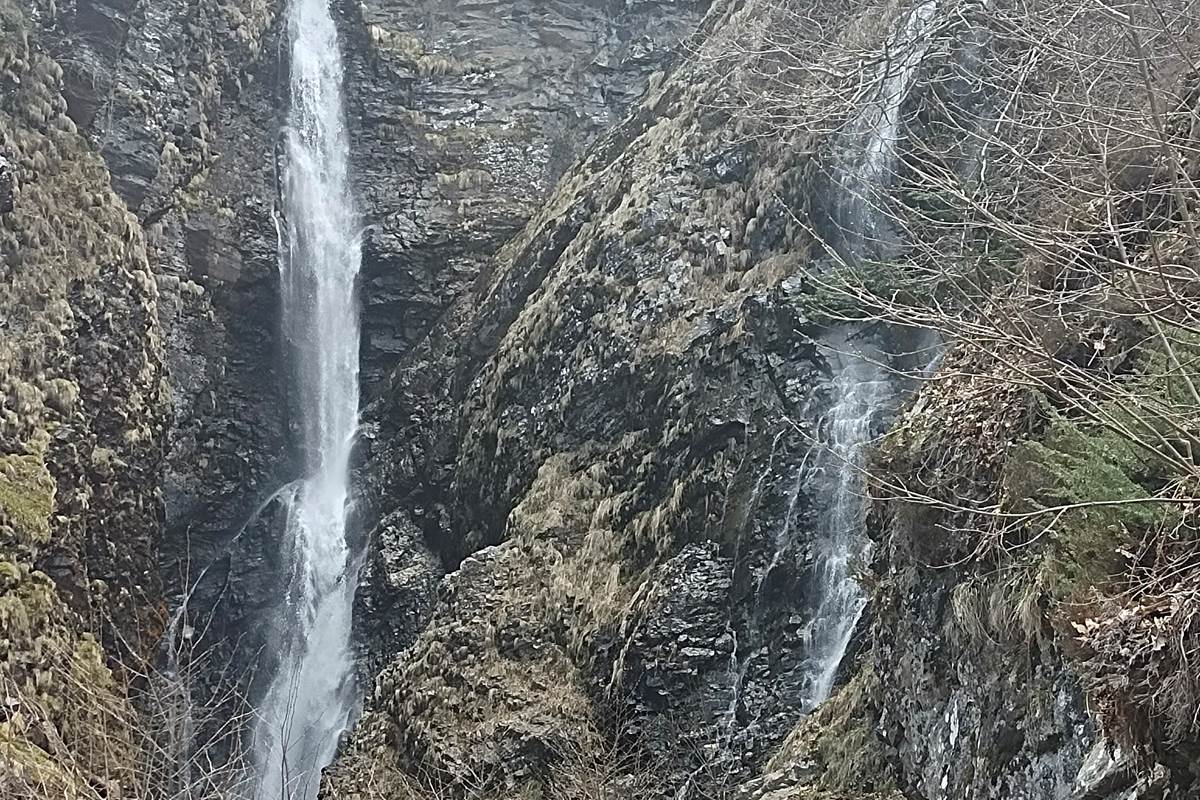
[75,728]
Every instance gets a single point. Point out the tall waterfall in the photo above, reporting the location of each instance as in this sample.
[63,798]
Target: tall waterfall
[863,393]
[312,693]
[863,389]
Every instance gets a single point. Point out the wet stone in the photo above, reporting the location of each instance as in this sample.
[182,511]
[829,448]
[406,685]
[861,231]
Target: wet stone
[8,186]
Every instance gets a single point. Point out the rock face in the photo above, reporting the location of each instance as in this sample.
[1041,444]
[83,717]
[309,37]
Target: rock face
[182,102]
[447,119]
[591,477]
[463,117]
[8,186]
[620,413]
[609,440]
[183,109]
[83,413]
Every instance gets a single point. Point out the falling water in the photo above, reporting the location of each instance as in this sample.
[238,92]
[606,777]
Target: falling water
[312,692]
[863,392]
[875,134]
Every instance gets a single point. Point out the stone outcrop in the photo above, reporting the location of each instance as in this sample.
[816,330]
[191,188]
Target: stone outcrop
[83,415]
[181,102]
[618,412]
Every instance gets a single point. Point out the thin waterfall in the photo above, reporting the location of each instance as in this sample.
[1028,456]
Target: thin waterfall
[312,693]
[863,392]
[874,134]
[863,389]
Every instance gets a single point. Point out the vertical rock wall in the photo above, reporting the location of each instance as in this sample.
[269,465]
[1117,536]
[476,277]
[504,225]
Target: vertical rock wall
[464,115]
[83,414]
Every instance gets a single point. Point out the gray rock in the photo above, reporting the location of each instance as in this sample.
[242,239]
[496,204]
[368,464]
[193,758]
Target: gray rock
[398,586]
[463,118]
[1106,770]
[8,186]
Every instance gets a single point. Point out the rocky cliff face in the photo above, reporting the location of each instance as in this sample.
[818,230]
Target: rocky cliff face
[610,443]
[622,416]
[182,101]
[447,121]
[464,116]
[602,365]
[83,412]
[462,121]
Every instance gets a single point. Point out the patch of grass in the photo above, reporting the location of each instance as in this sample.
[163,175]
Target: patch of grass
[26,497]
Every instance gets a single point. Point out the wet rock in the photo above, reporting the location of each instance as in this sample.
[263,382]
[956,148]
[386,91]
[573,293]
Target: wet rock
[211,251]
[677,669]
[97,32]
[398,586]
[682,635]
[8,186]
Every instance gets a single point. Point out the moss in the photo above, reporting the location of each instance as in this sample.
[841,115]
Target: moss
[851,760]
[62,395]
[26,497]
[29,770]
[80,346]
[1075,465]
[27,609]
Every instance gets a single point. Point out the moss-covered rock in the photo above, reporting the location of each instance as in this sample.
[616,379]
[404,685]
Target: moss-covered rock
[26,498]
[81,426]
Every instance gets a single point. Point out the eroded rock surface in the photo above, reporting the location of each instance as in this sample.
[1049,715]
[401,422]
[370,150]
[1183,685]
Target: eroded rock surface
[83,415]
[618,413]
[8,186]
[463,117]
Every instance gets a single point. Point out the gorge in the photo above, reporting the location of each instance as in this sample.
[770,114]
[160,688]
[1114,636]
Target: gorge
[759,400]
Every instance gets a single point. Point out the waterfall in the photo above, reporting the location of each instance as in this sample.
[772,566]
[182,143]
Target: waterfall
[875,133]
[863,391]
[312,692]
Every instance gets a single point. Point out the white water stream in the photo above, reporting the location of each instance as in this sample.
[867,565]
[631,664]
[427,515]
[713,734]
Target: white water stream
[863,389]
[312,693]
[875,131]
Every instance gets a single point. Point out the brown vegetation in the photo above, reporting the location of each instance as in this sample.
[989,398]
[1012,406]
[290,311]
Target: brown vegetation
[1040,214]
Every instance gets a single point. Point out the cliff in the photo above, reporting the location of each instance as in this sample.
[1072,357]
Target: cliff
[82,437]
[610,445]
[763,402]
